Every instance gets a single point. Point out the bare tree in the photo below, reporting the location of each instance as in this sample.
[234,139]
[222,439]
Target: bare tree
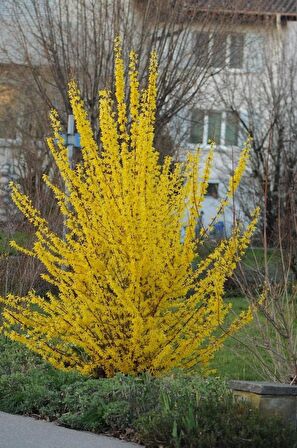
[59,40]
[263,100]
[270,286]
[265,103]
[46,43]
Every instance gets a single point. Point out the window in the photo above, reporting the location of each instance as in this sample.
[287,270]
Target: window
[220,50]
[221,127]
[232,129]
[201,47]
[212,190]
[214,126]
[197,127]
[236,50]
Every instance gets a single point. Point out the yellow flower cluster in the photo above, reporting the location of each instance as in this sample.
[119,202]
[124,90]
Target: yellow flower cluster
[129,299]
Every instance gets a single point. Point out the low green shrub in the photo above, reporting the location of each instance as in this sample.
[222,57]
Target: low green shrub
[92,405]
[191,421]
[28,385]
[176,411]
[14,358]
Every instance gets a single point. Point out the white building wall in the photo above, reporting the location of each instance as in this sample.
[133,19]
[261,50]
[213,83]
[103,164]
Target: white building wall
[265,46]
[214,95]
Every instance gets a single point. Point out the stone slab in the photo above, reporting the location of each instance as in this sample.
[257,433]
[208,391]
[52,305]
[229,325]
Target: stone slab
[271,399]
[264,388]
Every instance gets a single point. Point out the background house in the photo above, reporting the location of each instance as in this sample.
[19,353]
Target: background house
[227,69]
[252,91]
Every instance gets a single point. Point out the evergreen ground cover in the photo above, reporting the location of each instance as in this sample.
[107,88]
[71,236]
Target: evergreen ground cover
[173,411]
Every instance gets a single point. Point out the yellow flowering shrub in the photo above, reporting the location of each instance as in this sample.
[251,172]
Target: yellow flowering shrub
[129,299]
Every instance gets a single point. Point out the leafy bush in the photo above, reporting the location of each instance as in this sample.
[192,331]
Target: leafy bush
[127,297]
[93,406]
[176,411]
[27,384]
[16,358]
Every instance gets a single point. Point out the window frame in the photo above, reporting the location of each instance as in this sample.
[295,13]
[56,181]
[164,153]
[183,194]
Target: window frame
[215,193]
[222,143]
[193,121]
[226,66]
[228,60]
[214,113]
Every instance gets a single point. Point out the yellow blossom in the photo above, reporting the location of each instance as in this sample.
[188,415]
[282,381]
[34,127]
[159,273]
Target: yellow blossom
[129,299]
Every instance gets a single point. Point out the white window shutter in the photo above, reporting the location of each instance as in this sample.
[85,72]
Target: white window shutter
[181,48]
[254,52]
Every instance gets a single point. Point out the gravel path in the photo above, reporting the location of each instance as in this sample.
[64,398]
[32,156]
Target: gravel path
[25,432]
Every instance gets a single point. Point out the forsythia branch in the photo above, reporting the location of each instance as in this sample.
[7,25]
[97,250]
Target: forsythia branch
[129,299]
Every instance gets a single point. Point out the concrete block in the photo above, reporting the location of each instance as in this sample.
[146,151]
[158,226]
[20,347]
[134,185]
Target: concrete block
[269,398]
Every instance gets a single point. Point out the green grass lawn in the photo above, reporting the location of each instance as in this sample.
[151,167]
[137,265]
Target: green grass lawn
[255,257]
[234,360]
[22,238]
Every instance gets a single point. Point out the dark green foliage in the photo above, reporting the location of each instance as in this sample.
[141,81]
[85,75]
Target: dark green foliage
[177,411]
[191,420]
[93,405]
[14,358]
[28,385]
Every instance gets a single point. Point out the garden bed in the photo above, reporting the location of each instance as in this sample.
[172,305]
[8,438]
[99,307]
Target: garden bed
[175,411]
